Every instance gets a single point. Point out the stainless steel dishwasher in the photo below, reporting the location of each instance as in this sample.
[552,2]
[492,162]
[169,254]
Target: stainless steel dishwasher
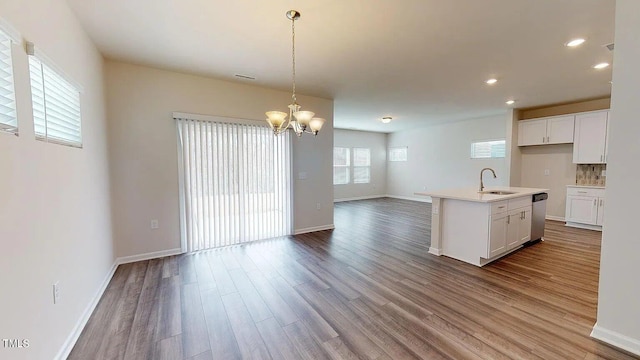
[538,212]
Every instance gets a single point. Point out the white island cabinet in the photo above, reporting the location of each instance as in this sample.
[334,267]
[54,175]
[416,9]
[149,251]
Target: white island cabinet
[478,228]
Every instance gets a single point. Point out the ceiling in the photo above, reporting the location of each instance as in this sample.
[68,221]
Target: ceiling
[419,61]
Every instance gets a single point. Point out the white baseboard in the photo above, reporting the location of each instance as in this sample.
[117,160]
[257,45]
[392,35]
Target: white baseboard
[583,226]
[426,199]
[312,229]
[554,218]
[616,339]
[82,322]
[359,198]
[435,251]
[148,256]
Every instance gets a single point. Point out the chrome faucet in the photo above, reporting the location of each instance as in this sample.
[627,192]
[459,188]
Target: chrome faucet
[482,183]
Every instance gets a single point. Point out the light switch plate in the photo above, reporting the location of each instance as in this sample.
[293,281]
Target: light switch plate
[302,175]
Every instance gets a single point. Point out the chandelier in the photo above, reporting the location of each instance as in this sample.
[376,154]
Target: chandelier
[299,121]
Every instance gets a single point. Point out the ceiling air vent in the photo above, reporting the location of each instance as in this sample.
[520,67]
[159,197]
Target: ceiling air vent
[609,46]
[245,77]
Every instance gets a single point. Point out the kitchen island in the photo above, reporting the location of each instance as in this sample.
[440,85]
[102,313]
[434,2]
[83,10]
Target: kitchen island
[480,227]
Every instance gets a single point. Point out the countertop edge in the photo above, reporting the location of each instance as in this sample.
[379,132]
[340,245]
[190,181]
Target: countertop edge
[489,198]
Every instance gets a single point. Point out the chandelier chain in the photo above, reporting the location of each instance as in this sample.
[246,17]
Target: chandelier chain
[293,57]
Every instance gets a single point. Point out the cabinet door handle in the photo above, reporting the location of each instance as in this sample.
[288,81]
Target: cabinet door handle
[601,202]
[524,215]
[582,192]
[547,139]
[595,202]
[508,219]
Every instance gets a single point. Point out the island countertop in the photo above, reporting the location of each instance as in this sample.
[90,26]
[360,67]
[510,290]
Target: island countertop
[472,194]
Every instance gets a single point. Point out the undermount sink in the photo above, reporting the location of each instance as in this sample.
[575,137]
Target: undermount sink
[496,192]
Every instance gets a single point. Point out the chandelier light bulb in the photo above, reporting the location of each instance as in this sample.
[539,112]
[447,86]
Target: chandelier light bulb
[298,120]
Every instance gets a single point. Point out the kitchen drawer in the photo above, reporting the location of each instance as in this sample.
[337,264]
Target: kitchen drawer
[519,202]
[583,191]
[499,207]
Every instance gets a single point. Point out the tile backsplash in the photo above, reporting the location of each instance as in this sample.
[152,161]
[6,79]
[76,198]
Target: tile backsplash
[591,174]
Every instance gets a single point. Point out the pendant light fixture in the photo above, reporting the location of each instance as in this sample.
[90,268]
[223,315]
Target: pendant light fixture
[299,121]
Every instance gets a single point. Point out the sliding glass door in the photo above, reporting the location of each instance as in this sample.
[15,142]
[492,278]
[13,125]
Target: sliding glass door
[235,180]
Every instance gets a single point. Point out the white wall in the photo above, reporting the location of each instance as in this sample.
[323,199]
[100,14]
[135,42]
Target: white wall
[55,222]
[558,159]
[439,157]
[619,293]
[143,151]
[377,142]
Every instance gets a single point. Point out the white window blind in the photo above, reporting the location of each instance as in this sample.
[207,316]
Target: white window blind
[488,149]
[56,105]
[341,163]
[235,181]
[361,166]
[8,118]
[398,153]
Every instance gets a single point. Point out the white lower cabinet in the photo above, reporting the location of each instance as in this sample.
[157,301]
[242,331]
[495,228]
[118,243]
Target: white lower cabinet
[585,207]
[509,230]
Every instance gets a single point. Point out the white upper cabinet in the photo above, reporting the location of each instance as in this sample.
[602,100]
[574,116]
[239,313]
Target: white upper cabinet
[590,138]
[560,129]
[552,130]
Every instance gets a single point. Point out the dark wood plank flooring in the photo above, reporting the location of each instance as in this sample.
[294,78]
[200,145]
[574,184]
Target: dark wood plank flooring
[365,290]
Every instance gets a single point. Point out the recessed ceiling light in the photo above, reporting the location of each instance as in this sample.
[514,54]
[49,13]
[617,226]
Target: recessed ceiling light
[575,42]
[601,65]
[510,102]
[491,81]
[386,119]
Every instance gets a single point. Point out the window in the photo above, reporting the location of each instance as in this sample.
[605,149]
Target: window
[56,105]
[488,149]
[8,118]
[398,153]
[361,166]
[341,163]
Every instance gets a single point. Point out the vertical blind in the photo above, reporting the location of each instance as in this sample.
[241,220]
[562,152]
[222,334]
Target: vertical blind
[8,118]
[235,183]
[56,105]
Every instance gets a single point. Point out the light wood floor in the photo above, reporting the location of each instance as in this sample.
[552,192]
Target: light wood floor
[365,290]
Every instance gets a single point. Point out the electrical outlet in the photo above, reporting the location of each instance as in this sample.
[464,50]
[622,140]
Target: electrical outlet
[154,224]
[56,292]
[546,172]
[424,188]
[317,206]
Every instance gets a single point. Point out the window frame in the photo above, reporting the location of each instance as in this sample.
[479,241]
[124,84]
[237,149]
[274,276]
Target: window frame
[347,166]
[12,37]
[473,151]
[406,153]
[46,66]
[365,167]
